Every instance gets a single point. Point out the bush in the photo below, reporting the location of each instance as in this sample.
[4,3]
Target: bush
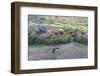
[32,39]
[57,40]
[81,39]
[37,40]
[68,35]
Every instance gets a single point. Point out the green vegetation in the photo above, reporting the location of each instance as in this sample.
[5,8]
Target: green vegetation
[55,30]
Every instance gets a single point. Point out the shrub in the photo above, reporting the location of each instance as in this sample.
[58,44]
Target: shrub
[57,40]
[81,39]
[32,39]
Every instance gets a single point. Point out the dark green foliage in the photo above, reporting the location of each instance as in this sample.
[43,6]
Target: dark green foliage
[38,25]
[81,39]
[57,41]
[34,40]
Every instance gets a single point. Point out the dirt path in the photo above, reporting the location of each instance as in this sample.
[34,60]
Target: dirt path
[65,51]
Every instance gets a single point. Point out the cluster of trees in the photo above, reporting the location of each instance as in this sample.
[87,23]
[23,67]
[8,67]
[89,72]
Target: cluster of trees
[68,29]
